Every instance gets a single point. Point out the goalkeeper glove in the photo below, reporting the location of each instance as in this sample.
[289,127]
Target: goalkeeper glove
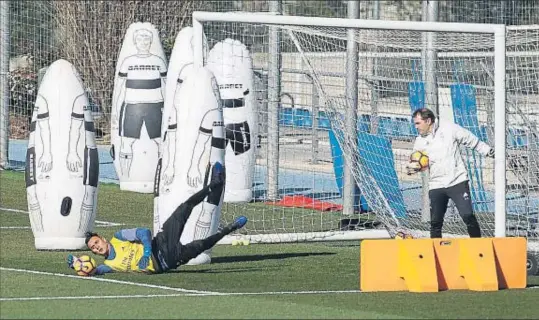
[491,153]
[143,262]
[71,260]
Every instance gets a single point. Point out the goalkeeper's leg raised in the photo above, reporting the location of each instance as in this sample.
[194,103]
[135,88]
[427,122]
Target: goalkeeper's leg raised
[191,250]
[167,246]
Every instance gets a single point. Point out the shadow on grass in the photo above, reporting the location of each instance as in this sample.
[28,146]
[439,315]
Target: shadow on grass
[225,270]
[246,258]
[344,245]
[262,257]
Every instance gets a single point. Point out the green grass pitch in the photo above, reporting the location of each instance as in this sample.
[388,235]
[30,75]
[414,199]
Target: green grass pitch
[293,281]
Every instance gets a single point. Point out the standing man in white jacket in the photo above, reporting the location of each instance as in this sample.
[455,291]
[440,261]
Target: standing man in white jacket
[448,176]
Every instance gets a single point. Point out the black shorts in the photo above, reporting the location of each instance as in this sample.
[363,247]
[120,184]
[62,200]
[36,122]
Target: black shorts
[133,115]
[239,137]
[91,167]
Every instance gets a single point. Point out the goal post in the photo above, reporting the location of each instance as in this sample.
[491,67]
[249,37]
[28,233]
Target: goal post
[500,180]
[4,84]
[318,33]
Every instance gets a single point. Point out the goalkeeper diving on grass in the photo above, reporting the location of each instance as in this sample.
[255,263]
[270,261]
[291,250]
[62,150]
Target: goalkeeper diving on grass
[134,250]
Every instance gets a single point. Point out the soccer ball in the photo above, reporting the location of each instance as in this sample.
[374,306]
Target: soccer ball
[402,235]
[84,265]
[421,158]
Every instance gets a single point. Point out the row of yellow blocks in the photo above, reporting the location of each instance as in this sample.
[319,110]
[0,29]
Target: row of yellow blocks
[432,265]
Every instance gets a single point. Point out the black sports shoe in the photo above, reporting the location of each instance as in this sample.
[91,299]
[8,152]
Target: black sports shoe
[238,223]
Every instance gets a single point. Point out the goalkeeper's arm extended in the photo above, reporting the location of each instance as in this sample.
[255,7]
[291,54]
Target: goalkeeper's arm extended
[102,269]
[99,270]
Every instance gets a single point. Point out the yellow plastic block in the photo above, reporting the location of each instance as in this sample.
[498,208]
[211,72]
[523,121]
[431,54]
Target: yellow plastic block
[477,264]
[417,265]
[378,266]
[446,252]
[430,265]
[510,256]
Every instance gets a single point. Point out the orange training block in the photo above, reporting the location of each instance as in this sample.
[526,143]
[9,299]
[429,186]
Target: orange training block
[417,265]
[398,265]
[429,265]
[446,252]
[510,257]
[378,266]
[477,265]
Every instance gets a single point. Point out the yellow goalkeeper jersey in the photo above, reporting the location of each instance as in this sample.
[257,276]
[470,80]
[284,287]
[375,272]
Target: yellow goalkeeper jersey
[127,256]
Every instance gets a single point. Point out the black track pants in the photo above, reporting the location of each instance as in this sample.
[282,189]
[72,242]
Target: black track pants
[460,194]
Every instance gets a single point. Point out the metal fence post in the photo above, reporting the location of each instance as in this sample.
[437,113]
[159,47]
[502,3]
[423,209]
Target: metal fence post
[352,67]
[315,111]
[274,96]
[5,46]
[429,68]
[428,57]
[374,83]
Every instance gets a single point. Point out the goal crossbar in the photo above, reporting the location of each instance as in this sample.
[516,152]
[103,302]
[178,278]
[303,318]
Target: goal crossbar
[272,19]
[498,30]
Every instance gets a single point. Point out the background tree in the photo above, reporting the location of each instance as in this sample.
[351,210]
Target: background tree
[90,34]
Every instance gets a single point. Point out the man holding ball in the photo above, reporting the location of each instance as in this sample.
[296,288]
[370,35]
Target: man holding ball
[448,176]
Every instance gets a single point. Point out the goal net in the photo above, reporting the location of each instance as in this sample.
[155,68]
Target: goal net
[306,122]
[326,120]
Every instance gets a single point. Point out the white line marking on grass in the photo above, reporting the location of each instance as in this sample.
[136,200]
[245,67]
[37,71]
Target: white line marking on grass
[102,223]
[109,280]
[13,210]
[271,293]
[15,227]
[97,224]
[184,291]
[172,295]
[136,296]
[28,227]
[108,224]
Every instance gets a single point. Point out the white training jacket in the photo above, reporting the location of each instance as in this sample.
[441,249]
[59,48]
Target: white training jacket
[446,165]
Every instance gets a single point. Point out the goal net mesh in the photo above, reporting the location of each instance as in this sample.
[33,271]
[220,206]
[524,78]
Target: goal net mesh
[313,109]
[392,83]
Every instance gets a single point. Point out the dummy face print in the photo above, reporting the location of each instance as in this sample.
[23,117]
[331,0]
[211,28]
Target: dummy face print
[143,40]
